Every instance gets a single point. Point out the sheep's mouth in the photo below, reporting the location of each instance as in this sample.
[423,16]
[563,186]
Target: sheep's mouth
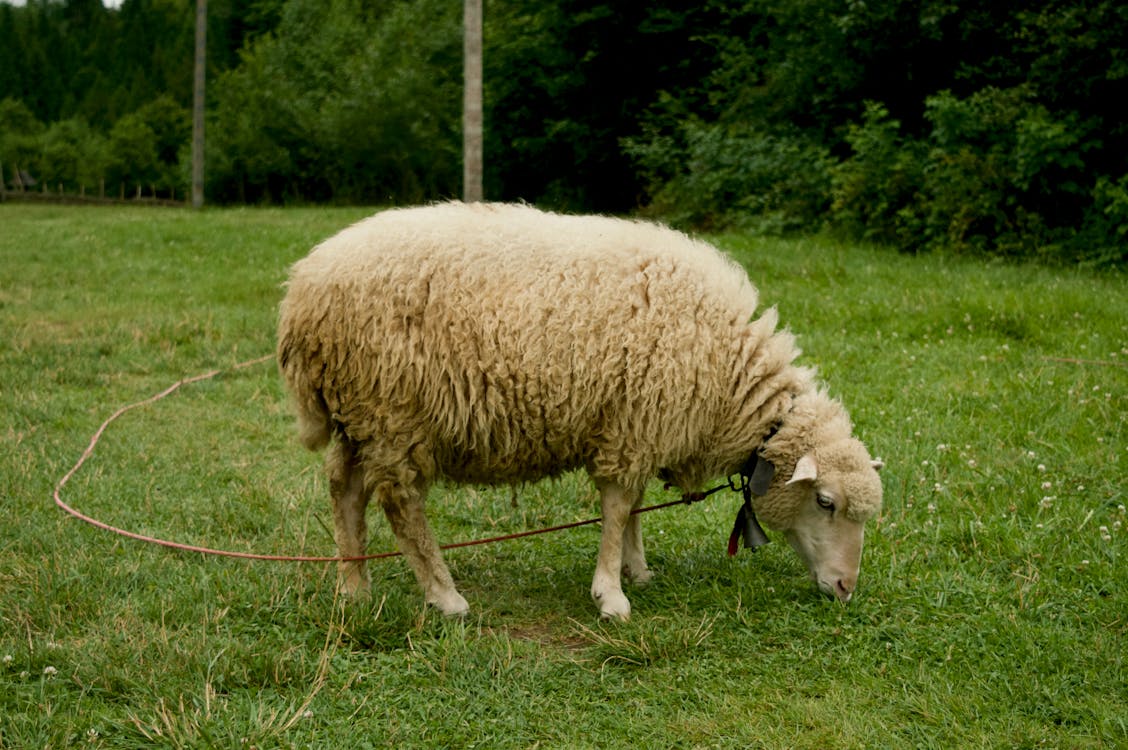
[834,590]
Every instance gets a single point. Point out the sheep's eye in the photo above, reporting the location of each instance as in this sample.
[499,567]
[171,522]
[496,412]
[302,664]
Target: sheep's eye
[825,503]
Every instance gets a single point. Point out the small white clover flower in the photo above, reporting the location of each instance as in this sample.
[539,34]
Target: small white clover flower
[1041,467]
[971,463]
[1105,536]
[1047,485]
[932,507]
[7,659]
[1047,501]
[50,671]
[1030,454]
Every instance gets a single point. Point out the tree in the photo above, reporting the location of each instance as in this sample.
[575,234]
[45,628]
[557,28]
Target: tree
[132,147]
[19,136]
[71,154]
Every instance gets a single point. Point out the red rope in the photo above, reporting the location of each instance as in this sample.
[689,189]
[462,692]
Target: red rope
[690,498]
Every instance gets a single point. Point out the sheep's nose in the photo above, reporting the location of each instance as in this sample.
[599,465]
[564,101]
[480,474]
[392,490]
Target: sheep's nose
[844,589]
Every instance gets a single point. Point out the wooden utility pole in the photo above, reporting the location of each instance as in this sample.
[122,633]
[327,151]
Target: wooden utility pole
[472,101]
[198,104]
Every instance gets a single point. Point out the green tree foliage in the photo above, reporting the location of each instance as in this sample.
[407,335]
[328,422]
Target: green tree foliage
[567,82]
[974,126]
[19,138]
[874,190]
[132,152]
[345,102]
[967,125]
[71,153]
[730,175]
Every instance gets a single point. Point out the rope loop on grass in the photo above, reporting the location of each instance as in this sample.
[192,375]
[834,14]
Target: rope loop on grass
[687,499]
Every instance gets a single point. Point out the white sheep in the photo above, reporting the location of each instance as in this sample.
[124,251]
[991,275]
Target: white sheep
[496,344]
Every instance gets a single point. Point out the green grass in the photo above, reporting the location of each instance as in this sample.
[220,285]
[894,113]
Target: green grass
[992,609]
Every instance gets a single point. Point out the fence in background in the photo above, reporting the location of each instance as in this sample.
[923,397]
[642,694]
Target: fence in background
[18,186]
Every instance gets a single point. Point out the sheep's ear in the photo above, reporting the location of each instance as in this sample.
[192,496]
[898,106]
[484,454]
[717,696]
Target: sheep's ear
[877,464]
[805,470]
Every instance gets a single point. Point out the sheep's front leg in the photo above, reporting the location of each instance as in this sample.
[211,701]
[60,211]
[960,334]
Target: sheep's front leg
[350,501]
[404,510]
[634,557]
[606,587]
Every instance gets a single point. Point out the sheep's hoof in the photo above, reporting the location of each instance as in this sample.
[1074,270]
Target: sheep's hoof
[613,605]
[451,605]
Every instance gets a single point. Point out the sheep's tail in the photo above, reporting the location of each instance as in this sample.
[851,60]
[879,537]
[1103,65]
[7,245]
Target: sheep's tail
[314,424]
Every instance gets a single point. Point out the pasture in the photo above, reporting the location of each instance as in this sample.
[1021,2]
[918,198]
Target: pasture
[991,611]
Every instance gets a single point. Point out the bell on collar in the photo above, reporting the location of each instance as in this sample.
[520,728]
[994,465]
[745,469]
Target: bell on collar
[754,535]
[748,529]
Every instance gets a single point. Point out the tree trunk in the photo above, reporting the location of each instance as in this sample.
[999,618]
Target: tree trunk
[198,105]
[472,102]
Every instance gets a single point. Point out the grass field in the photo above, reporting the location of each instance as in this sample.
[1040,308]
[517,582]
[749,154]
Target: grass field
[992,609]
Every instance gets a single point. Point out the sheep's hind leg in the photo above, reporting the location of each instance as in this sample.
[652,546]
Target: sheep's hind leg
[606,585]
[634,557]
[403,507]
[350,500]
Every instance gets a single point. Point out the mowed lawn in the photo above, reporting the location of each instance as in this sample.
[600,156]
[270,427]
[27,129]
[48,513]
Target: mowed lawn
[991,612]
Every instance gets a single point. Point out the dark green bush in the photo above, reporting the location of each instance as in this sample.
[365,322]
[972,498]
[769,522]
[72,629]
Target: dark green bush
[994,159]
[998,174]
[1103,239]
[738,177]
[874,190]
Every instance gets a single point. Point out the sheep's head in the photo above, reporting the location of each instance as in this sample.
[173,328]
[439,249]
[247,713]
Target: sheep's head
[821,502]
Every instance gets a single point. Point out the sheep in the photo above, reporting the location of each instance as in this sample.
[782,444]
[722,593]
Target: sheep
[499,344]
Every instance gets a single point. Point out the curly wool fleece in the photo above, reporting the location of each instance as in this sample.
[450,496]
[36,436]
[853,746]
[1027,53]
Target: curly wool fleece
[499,343]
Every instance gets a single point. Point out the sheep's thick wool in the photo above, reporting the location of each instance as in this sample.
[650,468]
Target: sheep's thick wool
[499,343]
